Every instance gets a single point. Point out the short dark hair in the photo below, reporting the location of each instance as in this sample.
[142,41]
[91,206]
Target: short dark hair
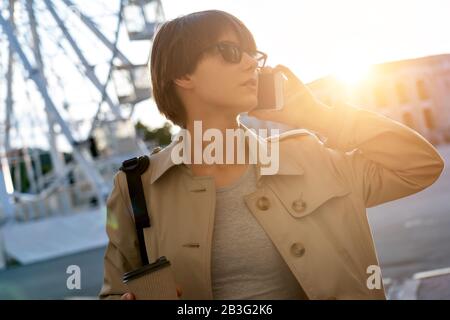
[177,48]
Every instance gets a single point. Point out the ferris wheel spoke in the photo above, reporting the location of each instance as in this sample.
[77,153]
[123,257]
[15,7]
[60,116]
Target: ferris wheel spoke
[69,72]
[92,175]
[88,71]
[110,71]
[56,159]
[9,83]
[92,26]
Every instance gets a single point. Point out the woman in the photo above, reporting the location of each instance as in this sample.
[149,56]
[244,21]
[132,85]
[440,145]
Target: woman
[234,232]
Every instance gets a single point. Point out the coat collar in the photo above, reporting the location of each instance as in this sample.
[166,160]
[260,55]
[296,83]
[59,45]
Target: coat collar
[162,160]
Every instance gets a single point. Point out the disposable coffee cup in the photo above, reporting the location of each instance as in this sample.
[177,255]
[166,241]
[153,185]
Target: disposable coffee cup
[154,281]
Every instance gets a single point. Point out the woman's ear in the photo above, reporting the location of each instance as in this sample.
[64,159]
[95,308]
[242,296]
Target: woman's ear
[184,82]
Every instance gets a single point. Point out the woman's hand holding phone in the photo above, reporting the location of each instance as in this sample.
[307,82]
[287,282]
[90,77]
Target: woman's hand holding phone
[301,109]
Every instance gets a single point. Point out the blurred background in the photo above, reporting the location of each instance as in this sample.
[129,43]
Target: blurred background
[75,101]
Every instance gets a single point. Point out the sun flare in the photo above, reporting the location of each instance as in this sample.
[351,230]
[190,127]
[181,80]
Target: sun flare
[351,71]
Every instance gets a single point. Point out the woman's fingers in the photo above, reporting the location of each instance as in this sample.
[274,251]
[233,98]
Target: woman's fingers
[289,74]
[266,69]
[293,83]
[127,296]
[130,296]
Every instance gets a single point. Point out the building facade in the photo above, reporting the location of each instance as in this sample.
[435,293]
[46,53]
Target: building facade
[415,92]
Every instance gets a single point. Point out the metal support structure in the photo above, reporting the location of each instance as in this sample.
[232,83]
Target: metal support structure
[111,65]
[88,22]
[5,174]
[6,203]
[115,51]
[112,46]
[29,169]
[92,175]
[57,163]
[87,68]
[17,172]
[5,182]
[9,83]
[138,24]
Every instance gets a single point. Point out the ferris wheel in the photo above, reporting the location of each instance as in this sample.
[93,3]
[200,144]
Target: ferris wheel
[69,84]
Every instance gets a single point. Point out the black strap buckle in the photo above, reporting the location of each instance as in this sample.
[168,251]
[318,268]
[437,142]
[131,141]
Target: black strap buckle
[130,164]
[140,164]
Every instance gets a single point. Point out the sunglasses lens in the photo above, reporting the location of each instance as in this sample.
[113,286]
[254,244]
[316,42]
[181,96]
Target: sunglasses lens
[231,54]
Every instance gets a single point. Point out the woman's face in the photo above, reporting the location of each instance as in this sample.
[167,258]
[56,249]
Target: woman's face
[220,84]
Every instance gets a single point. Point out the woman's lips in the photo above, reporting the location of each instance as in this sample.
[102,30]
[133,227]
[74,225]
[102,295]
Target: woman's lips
[251,81]
[251,84]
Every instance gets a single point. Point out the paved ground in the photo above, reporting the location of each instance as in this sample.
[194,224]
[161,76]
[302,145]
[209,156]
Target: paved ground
[412,235]
[47,280]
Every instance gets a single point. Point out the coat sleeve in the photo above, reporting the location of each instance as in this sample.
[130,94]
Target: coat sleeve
[122,253]
[381,158]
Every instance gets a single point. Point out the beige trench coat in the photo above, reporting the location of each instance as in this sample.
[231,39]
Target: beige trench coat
[315,214]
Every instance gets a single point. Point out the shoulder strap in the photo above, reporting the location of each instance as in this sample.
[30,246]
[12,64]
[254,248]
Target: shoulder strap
[133,169]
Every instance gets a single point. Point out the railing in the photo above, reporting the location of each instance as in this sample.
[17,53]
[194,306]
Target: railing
[63,194]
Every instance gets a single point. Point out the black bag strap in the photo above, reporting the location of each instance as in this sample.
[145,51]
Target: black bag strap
[133,169]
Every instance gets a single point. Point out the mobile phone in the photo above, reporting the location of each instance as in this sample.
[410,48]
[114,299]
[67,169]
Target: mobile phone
[270,90]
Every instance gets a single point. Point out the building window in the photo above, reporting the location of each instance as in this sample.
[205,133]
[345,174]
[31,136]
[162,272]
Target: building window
[408,120]
[422,90]
[380,96]
[401,93]
[429,118]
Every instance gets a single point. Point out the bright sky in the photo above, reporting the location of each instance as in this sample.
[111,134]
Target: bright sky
[312,37]
[315,38]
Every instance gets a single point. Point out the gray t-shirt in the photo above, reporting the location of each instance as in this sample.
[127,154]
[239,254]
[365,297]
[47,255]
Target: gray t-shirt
[245,262]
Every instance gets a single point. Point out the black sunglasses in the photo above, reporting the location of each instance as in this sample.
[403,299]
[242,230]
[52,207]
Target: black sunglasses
[233,53]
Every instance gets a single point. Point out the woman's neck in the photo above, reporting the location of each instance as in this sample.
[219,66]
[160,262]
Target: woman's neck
[201,138]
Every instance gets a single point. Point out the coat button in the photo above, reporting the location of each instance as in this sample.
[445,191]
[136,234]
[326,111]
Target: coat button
[263,203]
[297,249]
[299,205]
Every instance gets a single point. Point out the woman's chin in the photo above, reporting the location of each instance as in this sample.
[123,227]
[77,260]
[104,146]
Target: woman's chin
[244,105]
[249,104]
